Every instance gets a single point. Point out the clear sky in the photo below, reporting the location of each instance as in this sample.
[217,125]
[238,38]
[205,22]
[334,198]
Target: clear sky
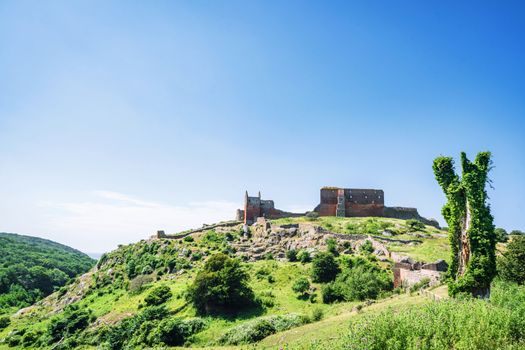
[118,118]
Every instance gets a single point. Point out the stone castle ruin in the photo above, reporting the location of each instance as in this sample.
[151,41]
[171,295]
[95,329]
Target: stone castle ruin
[255,207]
[334,201]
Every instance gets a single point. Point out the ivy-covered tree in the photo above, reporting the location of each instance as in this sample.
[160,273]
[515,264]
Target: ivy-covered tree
[471,228]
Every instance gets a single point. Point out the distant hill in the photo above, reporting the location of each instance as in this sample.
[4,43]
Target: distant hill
[32,268]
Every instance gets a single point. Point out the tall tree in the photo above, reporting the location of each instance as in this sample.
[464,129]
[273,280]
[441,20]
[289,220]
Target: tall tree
[471,228]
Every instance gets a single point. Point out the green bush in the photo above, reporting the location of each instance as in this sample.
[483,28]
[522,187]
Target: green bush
[255,330]
[317,314]
[304,257]
[301,286]
[159,295]
[69,322]
[331,246]
[501,234]
[364,281]
[188,239]
[324,267]
[175,331]
[511,265]
[425,282]
[268,256]
[331,293]
[414,225]
[222,285]
[4,322]
[291,255]
[138,284]
[367,247]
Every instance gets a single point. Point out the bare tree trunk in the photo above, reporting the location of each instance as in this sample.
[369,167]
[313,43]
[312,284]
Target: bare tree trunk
[464,245]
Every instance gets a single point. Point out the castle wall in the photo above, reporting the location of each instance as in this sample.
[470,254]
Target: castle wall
[358,202]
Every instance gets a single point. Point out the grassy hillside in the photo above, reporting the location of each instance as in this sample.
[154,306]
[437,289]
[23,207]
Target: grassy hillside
[32,268]
[116,290]
[110,307]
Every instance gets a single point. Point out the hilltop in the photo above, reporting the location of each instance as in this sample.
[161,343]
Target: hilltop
[116,289]
[32,268]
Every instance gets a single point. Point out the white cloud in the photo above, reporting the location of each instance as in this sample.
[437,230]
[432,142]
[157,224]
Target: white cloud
[115,218]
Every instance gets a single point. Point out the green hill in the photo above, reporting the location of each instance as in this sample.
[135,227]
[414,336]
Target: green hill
[32,268]
[139,296]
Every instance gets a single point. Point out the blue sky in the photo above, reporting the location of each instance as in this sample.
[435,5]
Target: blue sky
[118,118]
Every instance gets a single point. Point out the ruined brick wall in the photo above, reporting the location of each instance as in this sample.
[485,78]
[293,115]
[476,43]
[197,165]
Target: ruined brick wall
[255,207]
[358,202]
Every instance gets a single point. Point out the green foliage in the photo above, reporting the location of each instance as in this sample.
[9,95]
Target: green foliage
[304,257]
[423,283]
[291,255]
[511,265]
[367,247]
[331,246]
[32,268]
[68,323]
[501,234]
[222,285]
[470,223]
[175,331]
[253,331]
[268,256]
[324,267]
[4,322]
[517,233]
[188,239]
[137,331]
[462,324]
[301,286]
[159,295]
[414,225]
[138,284]
[317,314]
[361,279]
[359,283]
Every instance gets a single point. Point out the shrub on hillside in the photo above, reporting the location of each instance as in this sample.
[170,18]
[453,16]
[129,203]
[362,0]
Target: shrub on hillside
[414,225]
[331,246]
[501,234]
[4,322]
[301,286]
[304,257]
[324,267]
[291,255]
[138,284]
[253,331]
[367,247]
[221,285]
[175,331]
[511,265]
[159,295]
[69,322]
[359,283]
